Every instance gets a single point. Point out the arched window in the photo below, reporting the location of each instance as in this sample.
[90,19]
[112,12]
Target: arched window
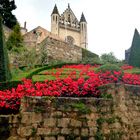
[69,18]
[70,40]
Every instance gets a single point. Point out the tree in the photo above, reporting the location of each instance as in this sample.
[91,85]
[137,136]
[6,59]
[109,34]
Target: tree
[5,74]
[6,8]
[134,58]
[15,40]
[109,58]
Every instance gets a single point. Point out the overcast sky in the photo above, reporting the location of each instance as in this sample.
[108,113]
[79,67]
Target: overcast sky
[111,23]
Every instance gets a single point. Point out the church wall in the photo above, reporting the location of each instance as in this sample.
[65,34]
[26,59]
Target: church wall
[61,51]
[63,33]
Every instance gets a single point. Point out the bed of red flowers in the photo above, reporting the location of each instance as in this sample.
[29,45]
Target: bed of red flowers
[69,86]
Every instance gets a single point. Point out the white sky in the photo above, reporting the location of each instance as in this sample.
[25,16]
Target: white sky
[111,23]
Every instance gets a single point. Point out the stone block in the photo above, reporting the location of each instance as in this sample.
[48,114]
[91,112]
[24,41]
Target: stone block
[26,118]
[50,122]
[75,123]
[92,131]
[35,138]
[57,114]
[36,117]
[60,138]
[78,138]
[50,138]
[65,131]
[55,131]
[84,132]
[22,139]
[13,138]
[91,138]
[14,119]
[91,123]
[76,131]
[25,131]
[43,131]
[64,122]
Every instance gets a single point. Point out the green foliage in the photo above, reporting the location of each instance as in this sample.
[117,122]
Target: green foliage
[28,58]
[99,135]
[47,67]
[43,57]
[5,74]
[7,6]
[9,84]
[15,40]
[109,58]
[34,131]
[89,57]
[81,107]
[115,135]
[134,58]
[108,67]
[106,96]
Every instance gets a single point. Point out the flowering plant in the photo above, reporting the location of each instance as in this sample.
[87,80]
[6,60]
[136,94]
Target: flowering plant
[83,83]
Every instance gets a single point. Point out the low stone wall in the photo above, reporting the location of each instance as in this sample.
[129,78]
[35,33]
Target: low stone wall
[65,118]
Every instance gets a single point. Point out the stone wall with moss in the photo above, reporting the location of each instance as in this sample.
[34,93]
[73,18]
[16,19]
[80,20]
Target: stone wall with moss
[65,118]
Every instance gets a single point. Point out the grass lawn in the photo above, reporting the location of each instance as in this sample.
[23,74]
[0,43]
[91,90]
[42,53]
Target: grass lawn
[133,71]
[51,74]
[18,75]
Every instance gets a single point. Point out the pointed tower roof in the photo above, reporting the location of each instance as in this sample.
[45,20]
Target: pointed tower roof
[55,10]
[83,19]
[68,6]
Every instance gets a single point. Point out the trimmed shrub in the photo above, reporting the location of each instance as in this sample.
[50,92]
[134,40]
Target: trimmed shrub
[5,74]
[9,84]
[134,58]
[108,67]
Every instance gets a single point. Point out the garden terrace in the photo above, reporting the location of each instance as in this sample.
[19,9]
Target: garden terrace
[68,118]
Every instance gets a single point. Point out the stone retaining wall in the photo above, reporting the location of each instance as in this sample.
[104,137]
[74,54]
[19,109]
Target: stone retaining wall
[62,51]
[65,118]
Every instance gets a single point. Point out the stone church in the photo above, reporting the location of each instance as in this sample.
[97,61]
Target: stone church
[66,40]
[67,27]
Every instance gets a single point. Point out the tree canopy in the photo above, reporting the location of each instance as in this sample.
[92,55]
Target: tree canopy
[15,40]
[6,8]
[109,58]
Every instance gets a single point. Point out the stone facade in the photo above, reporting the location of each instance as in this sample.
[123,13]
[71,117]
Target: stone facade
[67,34]
[66,118]
[36,36]
[61,51]
[67,27]
[56,48]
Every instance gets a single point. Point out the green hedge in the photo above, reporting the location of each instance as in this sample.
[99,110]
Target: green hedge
[88,54]
[108,67]
[9,84]
[48,67]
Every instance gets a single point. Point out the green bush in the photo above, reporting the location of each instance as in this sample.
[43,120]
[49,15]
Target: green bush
[15,40]
[89,57]
[5,73]
[109,58]
[48,67]
[9,84]
[108,67]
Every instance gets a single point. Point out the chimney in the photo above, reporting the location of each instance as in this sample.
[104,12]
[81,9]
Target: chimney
[25,25]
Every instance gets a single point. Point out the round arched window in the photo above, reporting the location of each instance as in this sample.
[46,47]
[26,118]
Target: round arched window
[69,40]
